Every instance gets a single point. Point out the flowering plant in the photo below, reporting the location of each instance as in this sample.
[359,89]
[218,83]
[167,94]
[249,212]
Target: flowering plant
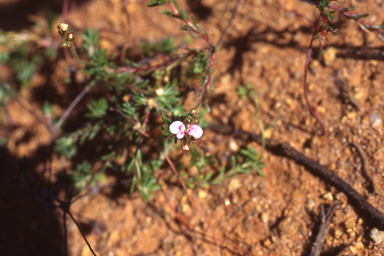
[189,132]
[179,129]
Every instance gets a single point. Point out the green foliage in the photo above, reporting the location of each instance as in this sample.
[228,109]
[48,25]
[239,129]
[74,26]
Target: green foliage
[246,161]
[47,109]
[201,62]
[24,67]
[165,46]
[143,176]
[136,93]
[251,161]
[169,100]
[97,109]
[67,145]
[3,93]
[4,57]
[201,161]
[90,41]
[156,3]
[82,176]
[245,92]
[323,4]
[249,92]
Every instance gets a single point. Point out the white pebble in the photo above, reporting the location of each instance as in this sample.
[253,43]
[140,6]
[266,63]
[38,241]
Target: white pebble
[375,120]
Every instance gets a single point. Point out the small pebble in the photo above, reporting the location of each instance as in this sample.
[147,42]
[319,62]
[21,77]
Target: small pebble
[375,120]
[329,56]
[338,233]
[377,236]
[350,223]
[310,204]
[328,196]
[267,243]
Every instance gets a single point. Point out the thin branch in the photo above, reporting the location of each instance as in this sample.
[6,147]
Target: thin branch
[78,227]
[305,85]
[323,230]
[71,107]
[65,234]
[364,26]
[193,28]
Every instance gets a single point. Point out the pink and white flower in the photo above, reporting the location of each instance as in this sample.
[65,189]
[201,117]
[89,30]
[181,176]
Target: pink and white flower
[179,129]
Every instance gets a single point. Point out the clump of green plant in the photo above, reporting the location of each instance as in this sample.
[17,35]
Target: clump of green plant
[138,95]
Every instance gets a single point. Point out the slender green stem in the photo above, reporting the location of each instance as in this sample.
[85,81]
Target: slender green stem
[73,49]
[261,126]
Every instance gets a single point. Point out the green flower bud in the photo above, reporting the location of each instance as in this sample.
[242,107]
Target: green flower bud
[65,44]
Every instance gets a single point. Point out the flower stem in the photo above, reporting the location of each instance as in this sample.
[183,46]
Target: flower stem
[73,50]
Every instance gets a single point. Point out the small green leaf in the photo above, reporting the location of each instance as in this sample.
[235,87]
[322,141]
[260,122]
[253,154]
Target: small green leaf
[183,15]
[154,3]
[175,4]
[349,9]
[167,12]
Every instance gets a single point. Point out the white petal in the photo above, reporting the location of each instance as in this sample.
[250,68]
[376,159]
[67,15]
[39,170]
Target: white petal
[176,127]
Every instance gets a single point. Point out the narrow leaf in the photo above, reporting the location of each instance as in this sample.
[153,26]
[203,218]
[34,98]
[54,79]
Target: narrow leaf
[154,3]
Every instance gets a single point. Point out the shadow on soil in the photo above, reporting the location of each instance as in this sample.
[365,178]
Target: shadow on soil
[14,13]
[28,227]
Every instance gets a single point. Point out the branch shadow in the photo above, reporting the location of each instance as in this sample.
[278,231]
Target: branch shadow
[201,11]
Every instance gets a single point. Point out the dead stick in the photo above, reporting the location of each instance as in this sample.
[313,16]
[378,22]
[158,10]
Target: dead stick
[325,221]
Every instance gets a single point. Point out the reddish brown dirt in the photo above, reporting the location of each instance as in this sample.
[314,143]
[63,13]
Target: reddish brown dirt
[276,215]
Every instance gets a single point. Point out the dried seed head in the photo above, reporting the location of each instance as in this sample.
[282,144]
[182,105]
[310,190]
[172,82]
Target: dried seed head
[159,91]
[151,102]
[70,36]
[194,111]
[62,27]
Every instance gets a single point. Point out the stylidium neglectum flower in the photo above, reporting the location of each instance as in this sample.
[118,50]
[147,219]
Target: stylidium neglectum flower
[179,129]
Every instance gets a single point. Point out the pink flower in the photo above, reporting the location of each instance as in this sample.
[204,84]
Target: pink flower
[178,128]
